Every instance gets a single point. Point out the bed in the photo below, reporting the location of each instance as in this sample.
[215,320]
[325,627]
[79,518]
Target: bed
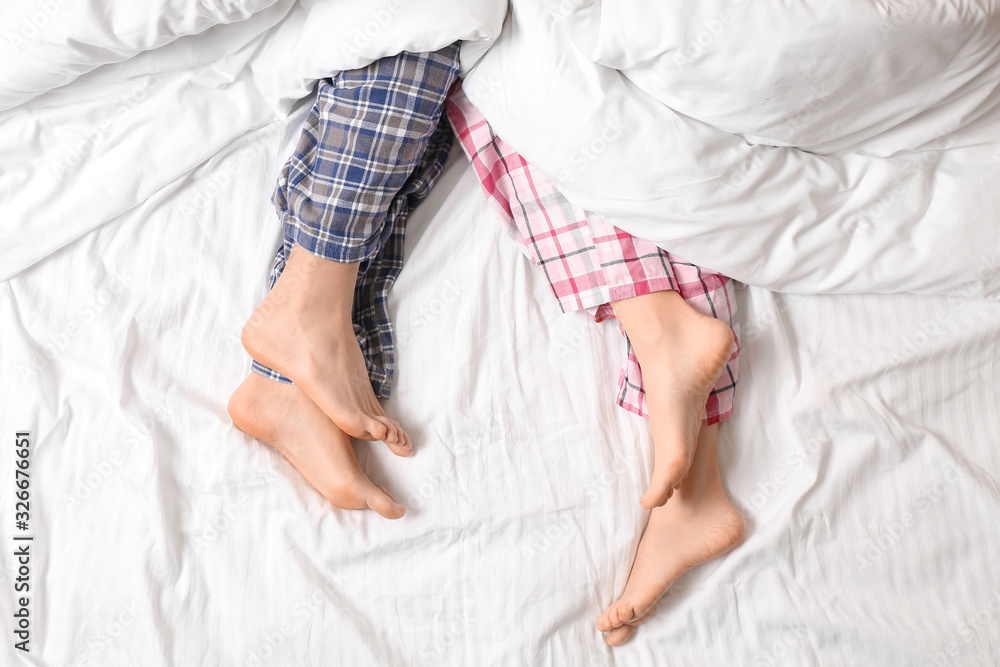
[137,235]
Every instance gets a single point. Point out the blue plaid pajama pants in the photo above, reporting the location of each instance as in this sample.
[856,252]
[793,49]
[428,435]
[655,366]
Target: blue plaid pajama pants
[371,149]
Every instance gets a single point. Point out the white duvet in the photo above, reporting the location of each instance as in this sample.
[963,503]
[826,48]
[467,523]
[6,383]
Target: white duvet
[812,148]
[807,146]
[138,146]
[167,89]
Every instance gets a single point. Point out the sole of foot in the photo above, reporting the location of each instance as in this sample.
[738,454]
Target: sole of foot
[678,373]
[679,536]
[677,539]
[282,416]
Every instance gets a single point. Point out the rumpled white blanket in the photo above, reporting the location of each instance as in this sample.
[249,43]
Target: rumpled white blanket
[164,85]
[814,148]
[137,147]
[808,146]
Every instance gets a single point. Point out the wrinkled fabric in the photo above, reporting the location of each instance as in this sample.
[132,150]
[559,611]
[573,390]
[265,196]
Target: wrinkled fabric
[808,147]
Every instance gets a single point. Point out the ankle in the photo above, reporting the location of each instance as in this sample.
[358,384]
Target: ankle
[319,269]
[696,490]
[310,282]
[654,317]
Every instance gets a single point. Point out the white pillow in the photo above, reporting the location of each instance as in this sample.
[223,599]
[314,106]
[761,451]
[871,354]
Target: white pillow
[822,76]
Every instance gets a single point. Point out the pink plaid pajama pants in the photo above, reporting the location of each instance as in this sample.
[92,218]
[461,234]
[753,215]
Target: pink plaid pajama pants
[588,262]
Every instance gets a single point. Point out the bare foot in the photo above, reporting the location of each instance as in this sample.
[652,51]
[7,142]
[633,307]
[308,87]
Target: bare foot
[682,354]
[303,330]
[284,417]
[699,524]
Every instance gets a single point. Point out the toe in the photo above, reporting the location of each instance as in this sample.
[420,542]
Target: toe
[373,429]
[361,427]
[380,501]
[379,429]
[391,433]
[604,622]
[402,446]
[657,494]
[404,439]
[644,615]
[386,492]
[346,496]
[666,476]
[620,635]
[623,613]
[614,616]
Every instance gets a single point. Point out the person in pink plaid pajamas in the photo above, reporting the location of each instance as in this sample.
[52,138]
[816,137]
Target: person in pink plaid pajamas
[680,370]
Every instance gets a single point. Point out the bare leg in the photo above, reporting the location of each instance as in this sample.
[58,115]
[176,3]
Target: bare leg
[284,417]
[682,353]
[303,330]
[697,525]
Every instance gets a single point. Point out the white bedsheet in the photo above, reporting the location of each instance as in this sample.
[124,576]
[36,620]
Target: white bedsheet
[864,449]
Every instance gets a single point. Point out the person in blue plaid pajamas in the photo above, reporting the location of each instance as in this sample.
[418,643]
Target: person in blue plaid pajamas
[321,340]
